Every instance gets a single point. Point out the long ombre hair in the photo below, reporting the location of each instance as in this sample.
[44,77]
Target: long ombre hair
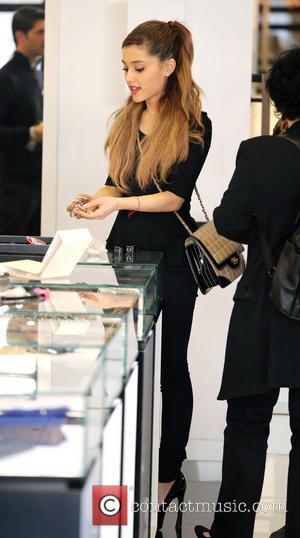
[179,119]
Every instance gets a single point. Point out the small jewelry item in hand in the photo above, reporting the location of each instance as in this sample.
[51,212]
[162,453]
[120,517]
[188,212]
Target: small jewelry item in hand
[79,202]
[85,210]
[81,199]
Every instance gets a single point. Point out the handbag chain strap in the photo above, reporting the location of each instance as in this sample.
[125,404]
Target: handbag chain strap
[188,229]
[201,203]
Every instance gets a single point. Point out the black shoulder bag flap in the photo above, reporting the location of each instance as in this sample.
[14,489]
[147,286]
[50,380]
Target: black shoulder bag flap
[285,290]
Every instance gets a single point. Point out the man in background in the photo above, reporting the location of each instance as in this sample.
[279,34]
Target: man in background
[21,127]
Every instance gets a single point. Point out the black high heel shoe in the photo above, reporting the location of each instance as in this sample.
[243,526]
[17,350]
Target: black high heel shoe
[280,533]
[177,491]
[200,530]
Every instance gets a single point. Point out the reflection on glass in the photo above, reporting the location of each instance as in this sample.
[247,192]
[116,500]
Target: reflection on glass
[17,361]
[17,385]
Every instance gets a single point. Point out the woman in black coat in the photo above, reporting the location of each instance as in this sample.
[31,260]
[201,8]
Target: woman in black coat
[262,352]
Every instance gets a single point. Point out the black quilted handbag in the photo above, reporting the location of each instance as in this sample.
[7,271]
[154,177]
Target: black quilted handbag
[213,259]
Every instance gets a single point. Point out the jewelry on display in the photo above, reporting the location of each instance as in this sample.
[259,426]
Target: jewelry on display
[130,253]
[34,240]
[118,254]
[124,254]
[22,350]
[50,316]
[4,281]
[120,291]
[51,350]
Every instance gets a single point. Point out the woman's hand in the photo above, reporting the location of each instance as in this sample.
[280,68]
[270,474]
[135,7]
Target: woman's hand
[80,199]
[97,208]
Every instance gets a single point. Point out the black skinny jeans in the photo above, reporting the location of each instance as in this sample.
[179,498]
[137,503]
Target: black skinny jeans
[245,447]
[179,295]
[20,208]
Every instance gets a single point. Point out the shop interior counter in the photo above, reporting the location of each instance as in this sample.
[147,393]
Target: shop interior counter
[54,404]
[67,369]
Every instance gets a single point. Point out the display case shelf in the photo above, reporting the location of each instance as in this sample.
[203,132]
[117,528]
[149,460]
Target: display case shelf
[67,319]
[53,407]
[114,284]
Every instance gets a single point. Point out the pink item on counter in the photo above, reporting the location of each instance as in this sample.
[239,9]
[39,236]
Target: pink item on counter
[34,240]
[42,291]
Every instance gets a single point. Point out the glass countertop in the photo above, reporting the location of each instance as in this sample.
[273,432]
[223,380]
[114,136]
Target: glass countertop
[143,258]
[91,275]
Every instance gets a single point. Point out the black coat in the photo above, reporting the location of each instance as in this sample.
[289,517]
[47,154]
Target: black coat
[20,159]
[20,108]
[263,345]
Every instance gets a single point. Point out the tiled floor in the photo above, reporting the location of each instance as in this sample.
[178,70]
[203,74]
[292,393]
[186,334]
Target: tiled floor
[273,492]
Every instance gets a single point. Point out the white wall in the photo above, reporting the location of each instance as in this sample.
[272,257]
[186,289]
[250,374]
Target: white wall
[223,47]
[83,43]
[25,2]
[86,86]
[7,43]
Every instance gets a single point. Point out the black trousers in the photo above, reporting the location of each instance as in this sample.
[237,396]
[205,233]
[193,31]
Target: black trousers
[245,447]
[20,208]
[179,295]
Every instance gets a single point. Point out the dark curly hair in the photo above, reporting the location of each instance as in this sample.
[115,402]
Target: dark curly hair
[283,83]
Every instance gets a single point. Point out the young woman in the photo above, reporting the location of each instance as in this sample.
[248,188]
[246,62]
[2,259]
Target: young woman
[160,138]
[262,352]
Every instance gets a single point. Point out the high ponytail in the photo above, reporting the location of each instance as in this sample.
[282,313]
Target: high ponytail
[183,53]
[179,119]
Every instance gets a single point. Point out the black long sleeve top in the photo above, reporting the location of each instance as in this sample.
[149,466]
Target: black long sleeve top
[162,231]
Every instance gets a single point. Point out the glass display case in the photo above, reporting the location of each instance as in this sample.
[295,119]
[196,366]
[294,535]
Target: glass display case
[54,402]
[68,368]
[113,283]
[141,260]
[66,319]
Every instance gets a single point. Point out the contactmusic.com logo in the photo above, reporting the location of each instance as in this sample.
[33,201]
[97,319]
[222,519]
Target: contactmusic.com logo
[110,505]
